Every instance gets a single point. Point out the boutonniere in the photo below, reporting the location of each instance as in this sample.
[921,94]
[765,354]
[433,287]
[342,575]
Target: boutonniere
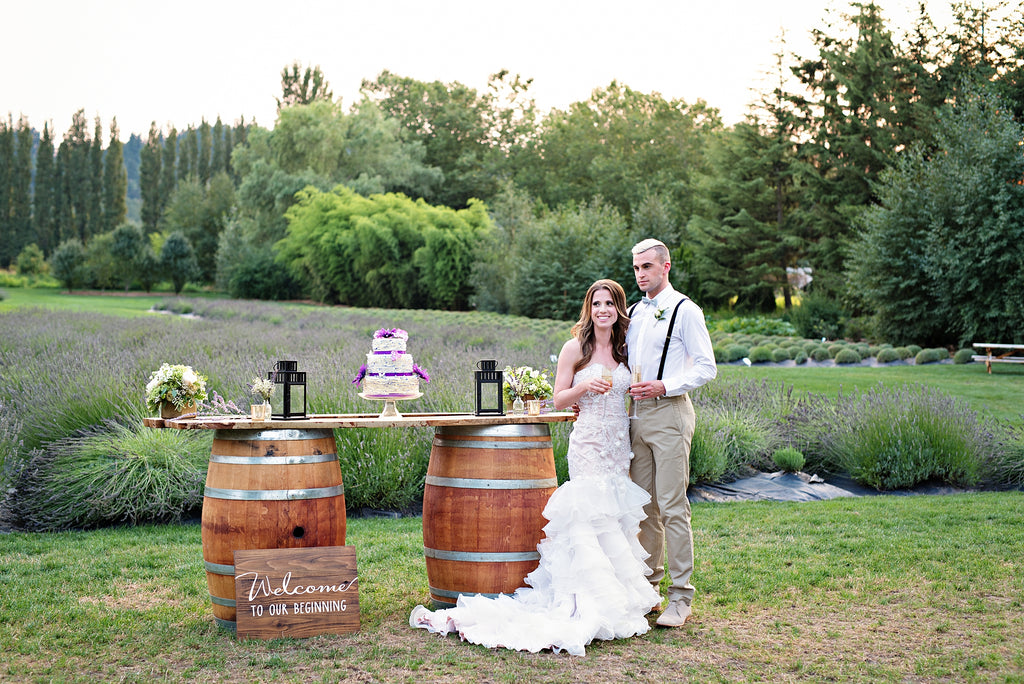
[659,315]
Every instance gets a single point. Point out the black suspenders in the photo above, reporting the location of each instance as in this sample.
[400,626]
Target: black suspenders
[668,337]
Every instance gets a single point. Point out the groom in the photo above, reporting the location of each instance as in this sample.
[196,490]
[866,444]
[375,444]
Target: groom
[668,338]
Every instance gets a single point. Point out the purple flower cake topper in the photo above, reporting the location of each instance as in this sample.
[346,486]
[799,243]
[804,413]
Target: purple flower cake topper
[397,333]
[420,372]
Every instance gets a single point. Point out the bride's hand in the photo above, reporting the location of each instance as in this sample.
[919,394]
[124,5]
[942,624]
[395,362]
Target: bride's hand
[598,386]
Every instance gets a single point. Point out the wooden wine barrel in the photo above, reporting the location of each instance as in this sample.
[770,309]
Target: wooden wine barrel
[485,491]
[267,489]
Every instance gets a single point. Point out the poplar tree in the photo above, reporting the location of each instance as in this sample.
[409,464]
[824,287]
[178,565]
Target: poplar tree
[75,182]
[94,184]
[218,155]
[115,182]
[203,160]
[44,211]
[6,167]
[149,179]
[21,189]
[168,168]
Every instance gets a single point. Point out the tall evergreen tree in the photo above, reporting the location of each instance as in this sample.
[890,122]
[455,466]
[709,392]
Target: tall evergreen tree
[115,182]
[62,214]
[862,104]
[218,155]
[204,147]
[43,208]
[188,155]
[149,179]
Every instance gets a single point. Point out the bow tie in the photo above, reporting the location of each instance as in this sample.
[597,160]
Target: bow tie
[647,301]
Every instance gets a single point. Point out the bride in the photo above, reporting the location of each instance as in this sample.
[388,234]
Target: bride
[591,582]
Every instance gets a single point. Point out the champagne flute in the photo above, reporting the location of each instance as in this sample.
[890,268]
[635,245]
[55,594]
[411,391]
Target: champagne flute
[632,400]
[606,374]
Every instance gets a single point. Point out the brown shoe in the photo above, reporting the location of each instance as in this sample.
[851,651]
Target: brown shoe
[654,609]
[675,614]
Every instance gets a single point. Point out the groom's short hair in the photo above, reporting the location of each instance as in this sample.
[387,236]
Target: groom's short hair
[657,245]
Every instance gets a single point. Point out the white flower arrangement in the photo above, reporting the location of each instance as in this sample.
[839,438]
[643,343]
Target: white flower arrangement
[178,385]
[525,380]
[262,387]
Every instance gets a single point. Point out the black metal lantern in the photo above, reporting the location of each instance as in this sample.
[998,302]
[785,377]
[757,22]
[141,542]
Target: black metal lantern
[489,400]
[289,399]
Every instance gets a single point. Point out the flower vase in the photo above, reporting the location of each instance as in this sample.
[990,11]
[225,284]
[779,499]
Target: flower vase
[517,406]
[169,411]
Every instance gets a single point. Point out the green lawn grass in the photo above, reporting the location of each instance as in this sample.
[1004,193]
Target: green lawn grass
[112,303]
[1000,394]
[876,589]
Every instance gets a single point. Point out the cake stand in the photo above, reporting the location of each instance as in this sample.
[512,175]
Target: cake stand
[390,410]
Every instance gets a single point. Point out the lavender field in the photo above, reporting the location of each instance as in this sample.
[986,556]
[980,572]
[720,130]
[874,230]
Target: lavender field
[71,409]
[63,373]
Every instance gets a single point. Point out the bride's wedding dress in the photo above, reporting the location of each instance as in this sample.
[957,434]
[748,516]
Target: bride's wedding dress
[592,580]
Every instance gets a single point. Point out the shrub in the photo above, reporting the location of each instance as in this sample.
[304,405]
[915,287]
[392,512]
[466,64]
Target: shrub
[788,459]
[847,356]
[893,439]
[887,356]
[800,358]
[736,352]
[932,355]
[913,349]
[905,352]
[31,261]
[821,353]
[835,348]
[112,474]
[963,356]
[755,325]
[67,264]
[760,354]
[1005,465]
[780,355]
[818,316]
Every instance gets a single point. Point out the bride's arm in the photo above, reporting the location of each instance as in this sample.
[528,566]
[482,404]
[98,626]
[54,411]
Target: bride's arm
[565,395]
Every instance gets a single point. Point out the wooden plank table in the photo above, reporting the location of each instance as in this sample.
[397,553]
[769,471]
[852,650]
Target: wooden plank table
[998,353]
[353,420]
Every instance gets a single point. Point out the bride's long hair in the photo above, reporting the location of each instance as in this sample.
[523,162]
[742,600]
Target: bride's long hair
[584,328]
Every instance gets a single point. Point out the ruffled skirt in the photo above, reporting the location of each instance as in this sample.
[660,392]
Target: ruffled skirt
[591,582]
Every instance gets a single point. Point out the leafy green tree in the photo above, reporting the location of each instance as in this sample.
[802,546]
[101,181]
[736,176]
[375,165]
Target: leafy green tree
[149,179]
[75,183]
[466,135]
[621,145]
[178,261]
[300,87]
[220,149]
[43,209]
[68,263]
[127,245]
[115,181]
[31,260]
[363,251]
[941,259]
[103,270]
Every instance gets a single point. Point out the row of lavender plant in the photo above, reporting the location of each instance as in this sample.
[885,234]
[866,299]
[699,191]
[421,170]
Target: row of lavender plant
[65,373]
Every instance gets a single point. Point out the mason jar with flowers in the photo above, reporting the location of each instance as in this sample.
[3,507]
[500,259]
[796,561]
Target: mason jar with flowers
[174,390]
[522,384]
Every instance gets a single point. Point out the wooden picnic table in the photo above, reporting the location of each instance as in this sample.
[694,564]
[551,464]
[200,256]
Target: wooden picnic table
[998,353]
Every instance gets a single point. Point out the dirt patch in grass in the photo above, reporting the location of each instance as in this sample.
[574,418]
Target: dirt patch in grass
[139,596]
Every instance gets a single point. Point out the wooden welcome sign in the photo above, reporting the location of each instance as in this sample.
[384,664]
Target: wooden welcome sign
[296,592]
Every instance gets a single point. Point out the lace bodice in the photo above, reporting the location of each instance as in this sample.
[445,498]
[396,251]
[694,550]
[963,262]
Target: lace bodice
[600,437]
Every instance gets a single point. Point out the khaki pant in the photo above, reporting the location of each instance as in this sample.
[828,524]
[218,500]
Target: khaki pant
[661,437]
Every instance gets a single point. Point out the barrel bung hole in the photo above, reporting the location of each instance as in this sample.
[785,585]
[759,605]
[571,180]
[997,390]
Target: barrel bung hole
[298,532]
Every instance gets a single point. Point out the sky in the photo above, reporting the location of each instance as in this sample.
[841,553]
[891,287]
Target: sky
[177,63]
